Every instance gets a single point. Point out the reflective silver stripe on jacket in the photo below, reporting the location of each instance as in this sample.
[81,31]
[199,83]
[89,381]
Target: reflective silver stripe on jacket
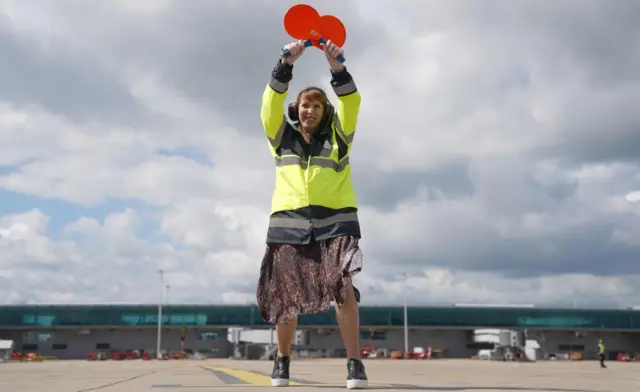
[305,224]
[278,86]
[275,142]
[294,160]
[346,138]
[345,89]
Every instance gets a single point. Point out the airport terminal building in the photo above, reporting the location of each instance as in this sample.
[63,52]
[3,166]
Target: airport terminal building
[73,331]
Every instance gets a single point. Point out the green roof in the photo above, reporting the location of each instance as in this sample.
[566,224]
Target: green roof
[29,316]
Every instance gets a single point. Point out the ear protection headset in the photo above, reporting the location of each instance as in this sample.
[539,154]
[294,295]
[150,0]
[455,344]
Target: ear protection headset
[293,106]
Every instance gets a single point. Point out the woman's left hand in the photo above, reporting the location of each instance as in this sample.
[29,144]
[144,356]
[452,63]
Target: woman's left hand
[332,51]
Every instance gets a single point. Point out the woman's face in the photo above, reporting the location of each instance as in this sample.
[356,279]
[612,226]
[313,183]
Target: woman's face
[310,113]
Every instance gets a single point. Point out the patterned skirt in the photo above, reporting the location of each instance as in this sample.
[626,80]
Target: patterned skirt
[305,279]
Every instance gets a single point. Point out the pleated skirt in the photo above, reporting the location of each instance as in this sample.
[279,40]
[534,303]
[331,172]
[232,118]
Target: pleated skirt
[305,279]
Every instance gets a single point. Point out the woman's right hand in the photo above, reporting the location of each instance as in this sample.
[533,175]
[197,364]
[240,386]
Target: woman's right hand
[296,49]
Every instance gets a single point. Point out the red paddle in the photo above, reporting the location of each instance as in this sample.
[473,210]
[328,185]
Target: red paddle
[303,22]
[331,29]
[300,20]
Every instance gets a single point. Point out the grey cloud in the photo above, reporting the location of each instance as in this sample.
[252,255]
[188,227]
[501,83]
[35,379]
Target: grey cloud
[583,249]
[619,147]
[219,53]
[384,190]
[583,30]
[508,186]
[581,58]
[490,234]
[603,131]
[64,80]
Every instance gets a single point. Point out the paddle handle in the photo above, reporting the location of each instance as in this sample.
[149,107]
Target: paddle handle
[340,58]
[308,43]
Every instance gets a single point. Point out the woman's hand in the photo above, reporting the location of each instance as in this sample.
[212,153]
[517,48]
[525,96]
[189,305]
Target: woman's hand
[332,52]
[296,49]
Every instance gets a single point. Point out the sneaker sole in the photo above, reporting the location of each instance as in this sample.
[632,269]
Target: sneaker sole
[357,384]
[279,382]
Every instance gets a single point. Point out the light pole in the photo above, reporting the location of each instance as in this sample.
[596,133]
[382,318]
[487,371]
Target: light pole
[406,319]
[159,342]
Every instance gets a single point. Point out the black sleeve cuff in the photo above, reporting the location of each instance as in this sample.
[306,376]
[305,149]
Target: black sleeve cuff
[340,77]
[282,72]
[342,82]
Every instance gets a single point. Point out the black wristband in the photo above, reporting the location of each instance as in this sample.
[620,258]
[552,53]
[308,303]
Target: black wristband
[282,72]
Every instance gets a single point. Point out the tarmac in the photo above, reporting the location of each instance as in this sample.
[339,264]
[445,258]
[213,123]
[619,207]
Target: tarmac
[324,375]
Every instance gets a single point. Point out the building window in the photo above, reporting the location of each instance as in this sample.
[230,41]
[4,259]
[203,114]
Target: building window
[59,346]
[103,346]
[209,335]
[167,319]
[33,337]
[29,347]
[39,320]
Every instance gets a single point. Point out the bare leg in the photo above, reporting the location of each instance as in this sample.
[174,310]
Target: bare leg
[349,322]
[286,333]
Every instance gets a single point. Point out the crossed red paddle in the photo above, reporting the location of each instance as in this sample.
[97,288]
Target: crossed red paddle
[303,22]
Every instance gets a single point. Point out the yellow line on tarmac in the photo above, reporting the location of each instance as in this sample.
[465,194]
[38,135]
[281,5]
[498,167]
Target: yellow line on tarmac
[260,380]
[247,376]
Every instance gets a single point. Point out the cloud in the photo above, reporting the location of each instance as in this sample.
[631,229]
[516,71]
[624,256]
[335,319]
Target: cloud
[494,160]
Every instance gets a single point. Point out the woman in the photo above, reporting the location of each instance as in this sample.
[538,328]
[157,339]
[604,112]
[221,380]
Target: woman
[312,241]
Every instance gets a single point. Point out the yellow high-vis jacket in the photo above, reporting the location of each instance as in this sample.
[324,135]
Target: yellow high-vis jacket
[314,198]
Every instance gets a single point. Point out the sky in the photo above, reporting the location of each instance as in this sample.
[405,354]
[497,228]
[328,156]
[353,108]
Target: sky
[497,156]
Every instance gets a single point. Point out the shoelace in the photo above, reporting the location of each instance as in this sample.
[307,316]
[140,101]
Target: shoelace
[280,364]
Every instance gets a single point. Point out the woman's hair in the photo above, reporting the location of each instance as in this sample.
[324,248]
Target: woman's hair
[314,94]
